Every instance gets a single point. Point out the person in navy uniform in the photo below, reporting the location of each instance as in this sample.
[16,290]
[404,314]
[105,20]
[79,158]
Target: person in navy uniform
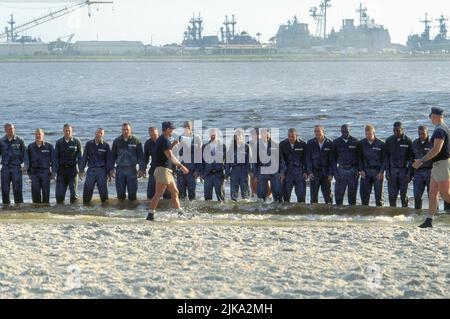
[98,158]
[421,177]
[268,167]
[213,168]
[440,156]
[294,170]
[319,160]
[238,166]
[189,150]
[150,157]
[13,153]
[127,154]
[399,156]
[253,142]
[346,166]
[40,163]
[371,154]
[68,153]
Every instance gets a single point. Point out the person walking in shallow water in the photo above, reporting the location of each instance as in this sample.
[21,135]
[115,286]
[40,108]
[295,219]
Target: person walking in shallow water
[165,160]
[440,156]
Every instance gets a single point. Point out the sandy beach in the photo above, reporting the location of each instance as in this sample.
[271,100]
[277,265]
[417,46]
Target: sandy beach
[96,257]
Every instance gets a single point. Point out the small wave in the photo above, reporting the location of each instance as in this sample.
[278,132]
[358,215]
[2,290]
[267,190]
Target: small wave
[256,212]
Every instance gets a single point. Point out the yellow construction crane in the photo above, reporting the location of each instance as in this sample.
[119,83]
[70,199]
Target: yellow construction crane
[11,32]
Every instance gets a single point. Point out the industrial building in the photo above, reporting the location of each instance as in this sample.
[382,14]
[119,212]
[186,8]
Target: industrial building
[23,49]
[108,48]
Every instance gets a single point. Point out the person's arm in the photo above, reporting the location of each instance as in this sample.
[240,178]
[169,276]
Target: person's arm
[83,161]
[109,163]
[228,163]
[410,163]
[309,164]
[303,159]
[332,163]
[173,159]
[114,151]
[281,160]
[383,162]
[56,158]
[409,158]
[248,157]
[79,153]
[360,154]
[146,154]
[437,147]
[387,160]
[24,152]
[53,161]
[27,159]
[140,157]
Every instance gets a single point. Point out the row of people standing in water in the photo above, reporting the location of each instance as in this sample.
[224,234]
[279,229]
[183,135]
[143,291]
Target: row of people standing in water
[351,162]
[245,163]
[320,160]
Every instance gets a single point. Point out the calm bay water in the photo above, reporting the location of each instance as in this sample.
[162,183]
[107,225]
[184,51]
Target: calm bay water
[227,250]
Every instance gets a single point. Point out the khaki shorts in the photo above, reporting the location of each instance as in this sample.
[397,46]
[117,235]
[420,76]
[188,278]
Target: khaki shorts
[441,171]
[163,175]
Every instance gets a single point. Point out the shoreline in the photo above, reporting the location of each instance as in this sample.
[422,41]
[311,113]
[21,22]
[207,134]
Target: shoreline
[228,58]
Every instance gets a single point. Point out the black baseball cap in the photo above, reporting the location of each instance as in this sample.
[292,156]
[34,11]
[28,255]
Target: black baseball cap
[167,125]
[437,111]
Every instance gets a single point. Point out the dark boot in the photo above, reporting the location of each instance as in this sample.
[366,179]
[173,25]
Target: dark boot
[427,224]
[150,217]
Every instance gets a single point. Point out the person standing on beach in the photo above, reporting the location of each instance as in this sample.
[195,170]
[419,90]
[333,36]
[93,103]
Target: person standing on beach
[189,150]
[165,160]
[320,165]
[371,167]
[421,176]
[399,157]
[253,143]
[41,163]
[213,170]
[440,156]
[293,155]
[345,165]
[268,168]
[127,154]
[98,157]
[13,153]
[238,166]
[68,153]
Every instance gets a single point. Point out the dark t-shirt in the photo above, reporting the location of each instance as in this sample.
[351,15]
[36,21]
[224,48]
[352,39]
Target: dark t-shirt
[162,144]
[442,134]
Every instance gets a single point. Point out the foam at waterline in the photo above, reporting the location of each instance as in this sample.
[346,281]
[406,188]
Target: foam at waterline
[197,211]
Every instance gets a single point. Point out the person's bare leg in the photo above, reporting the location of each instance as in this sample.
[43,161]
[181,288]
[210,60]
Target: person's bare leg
[444,190]
[174,195]
[254,186]
[432,205]
[159,191]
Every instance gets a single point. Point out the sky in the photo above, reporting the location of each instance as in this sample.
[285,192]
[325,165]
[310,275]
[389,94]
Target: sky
[161,22]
